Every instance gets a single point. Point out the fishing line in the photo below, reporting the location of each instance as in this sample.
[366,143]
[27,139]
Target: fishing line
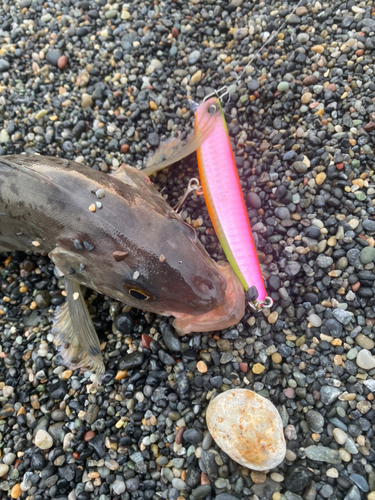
[225,90]
[220,93]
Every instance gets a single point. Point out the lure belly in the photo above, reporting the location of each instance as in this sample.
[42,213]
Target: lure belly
[226,205]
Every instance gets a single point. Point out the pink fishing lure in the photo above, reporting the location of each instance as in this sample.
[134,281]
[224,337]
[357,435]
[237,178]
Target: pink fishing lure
[226,205]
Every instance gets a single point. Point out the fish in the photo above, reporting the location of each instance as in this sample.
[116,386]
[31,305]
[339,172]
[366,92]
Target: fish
[114,234]
[225,203]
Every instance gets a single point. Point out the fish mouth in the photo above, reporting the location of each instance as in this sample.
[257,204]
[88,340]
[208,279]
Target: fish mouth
[225,315]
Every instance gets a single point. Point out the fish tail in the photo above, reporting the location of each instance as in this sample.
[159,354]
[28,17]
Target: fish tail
[75,335]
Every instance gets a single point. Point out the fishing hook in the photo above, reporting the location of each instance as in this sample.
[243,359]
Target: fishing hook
[257,305]
[193,185]
[220,93]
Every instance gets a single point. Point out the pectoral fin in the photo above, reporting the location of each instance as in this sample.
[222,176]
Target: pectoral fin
[174,149]
[75,333]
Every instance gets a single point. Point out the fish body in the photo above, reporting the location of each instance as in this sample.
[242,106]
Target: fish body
[114,234]
[226,205]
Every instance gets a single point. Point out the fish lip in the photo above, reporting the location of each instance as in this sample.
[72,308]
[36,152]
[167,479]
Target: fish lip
[225,315]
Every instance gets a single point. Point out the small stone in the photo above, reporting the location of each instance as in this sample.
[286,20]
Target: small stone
[283,86]
[16,491]
[4,65]
[131,360]
[88,436]
[258,477]
[315,320]
[202,367]
[315,421]
[333,473]
[124,324]
[254,201]
[272,318]
[3,469]
[193,436]
[153,139]
[310,80]
[318,49]
[329,394]
[194,57]
[258,368]
[364,342]
[53,56]
[197,77]
[323,454]
[360,481]
[298,478]
[306,97]
[278,478]
[62,62]
[276,357]
[320,178]
[341,316]
[179,484]
[118,487]
[43,440]
[365,360]
[292,268]
[260,423]
[340,436]
[87,101]
[367,255]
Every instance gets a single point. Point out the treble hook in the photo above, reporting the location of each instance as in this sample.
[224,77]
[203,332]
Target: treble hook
[193,185]
[220,93]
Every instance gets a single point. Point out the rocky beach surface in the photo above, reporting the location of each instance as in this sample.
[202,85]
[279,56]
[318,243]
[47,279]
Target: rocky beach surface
[103,83]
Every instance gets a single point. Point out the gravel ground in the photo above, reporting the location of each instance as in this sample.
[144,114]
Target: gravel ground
[103,83]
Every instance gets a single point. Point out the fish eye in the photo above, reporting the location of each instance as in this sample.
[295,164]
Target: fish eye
[214,108]
[137,292]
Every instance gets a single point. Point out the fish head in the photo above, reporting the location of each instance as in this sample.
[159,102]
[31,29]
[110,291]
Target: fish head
[167,272]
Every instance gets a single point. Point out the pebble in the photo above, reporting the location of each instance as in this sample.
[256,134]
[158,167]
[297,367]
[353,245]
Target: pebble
[364,342]
[87,101]
[340,436]
[254,201]
[365,359]
[367,255]
[3,469]
[261,417]
[323,454]
[315,421]
[315,320]
[93,83]
[43,440]
[118,487]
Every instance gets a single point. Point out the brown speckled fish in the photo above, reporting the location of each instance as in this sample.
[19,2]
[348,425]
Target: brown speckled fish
[116,235]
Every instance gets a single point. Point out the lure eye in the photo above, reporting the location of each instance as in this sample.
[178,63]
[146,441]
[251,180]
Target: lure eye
[137,292]
[214,108]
